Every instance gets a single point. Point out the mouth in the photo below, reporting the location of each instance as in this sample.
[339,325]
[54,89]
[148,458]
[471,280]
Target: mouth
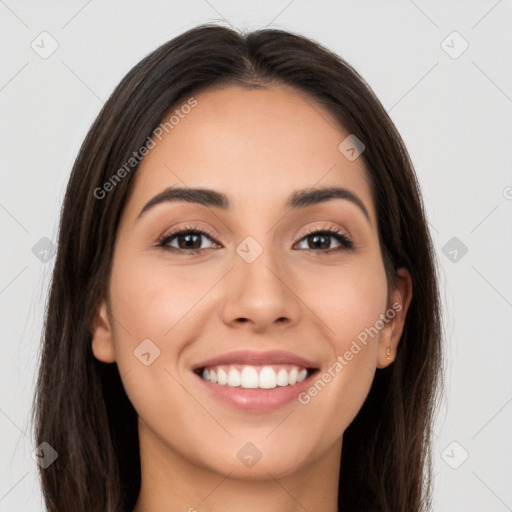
[256,381]
[255,377]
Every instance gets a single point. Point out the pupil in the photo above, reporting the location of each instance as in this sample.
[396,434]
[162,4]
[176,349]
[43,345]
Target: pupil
[316,238]
[188,238]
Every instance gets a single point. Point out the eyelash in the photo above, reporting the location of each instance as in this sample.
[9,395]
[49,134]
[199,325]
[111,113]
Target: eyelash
[342,238]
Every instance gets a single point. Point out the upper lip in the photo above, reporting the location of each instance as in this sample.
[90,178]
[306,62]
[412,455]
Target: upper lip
[253,358]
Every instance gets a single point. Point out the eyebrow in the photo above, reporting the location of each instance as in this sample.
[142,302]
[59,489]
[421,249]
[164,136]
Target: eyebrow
[207,197]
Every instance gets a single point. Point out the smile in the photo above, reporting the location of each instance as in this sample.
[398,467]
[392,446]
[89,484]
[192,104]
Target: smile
[255,377]
[255,381]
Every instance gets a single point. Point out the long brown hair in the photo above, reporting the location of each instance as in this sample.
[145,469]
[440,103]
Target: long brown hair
[80,407]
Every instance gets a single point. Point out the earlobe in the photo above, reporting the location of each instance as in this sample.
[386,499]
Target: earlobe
[395,315]
[102,338]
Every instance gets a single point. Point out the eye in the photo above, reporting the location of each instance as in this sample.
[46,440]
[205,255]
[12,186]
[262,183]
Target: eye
[187,240]
[320,239]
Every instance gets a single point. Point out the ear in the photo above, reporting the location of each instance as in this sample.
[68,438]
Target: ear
[102,338]
[394,318]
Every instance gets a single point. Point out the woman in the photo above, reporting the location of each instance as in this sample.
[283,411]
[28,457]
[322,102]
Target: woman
[244,309]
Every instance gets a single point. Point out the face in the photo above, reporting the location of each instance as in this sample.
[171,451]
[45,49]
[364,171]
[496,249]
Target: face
[247,291]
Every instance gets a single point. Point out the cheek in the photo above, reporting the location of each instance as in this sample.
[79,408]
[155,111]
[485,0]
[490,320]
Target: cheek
[150,299]
[349,303]
[347,299]
[153,310]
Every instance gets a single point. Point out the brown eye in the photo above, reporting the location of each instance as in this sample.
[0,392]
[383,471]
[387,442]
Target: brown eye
[322,240]
[186,240]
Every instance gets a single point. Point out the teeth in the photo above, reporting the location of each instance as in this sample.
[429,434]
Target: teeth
[248,377]
[222,377]
[282,377]
[254,377]
[267,378]
[233,378]
[300,377]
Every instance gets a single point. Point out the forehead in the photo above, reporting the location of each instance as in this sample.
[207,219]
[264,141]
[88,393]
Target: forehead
[254,145]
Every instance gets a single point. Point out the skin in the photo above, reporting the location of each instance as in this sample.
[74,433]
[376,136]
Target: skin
[257,147]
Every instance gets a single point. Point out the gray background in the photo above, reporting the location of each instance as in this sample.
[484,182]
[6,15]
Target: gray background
[453,110]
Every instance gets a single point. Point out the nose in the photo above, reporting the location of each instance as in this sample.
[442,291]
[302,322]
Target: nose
[260,294]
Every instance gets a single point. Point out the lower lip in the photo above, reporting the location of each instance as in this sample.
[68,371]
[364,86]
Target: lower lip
[257,400]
